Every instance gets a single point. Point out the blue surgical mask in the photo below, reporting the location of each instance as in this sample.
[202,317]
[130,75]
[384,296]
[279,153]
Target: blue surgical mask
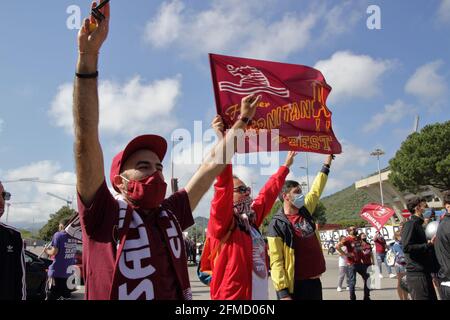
[299,200]
[427,213]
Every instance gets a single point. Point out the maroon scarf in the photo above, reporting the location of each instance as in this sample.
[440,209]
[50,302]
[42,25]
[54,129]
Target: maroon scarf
[131,284]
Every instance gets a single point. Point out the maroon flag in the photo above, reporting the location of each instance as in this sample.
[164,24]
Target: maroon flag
[293,102]
[376,214]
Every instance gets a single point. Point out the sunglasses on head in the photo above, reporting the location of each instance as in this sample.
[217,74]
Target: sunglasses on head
[6,195]
[242,189]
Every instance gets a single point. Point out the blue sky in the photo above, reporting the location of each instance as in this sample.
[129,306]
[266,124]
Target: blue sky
[155,78]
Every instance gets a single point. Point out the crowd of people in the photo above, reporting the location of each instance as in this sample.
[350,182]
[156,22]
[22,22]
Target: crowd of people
[133,244]
[420,255]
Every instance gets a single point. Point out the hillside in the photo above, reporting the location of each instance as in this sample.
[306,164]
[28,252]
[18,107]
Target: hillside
[345,204]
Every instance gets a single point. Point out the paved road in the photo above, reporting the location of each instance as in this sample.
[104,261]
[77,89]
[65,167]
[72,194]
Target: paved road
[329,283]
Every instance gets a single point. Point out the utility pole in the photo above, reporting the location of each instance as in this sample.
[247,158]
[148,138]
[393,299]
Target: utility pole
[378,153]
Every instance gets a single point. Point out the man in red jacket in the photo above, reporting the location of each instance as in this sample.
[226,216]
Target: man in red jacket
[238,251]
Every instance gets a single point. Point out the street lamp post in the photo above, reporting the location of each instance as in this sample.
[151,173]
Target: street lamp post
[378,153]
[172,180]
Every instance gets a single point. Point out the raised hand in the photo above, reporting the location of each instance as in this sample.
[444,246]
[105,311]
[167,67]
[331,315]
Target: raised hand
[218,126]
[94,32]
[290,158]
[329,159]
[249,105]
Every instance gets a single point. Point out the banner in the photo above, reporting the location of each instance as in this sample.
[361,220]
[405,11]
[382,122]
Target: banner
[376,214]
[332,236]
[73,228]
[292,111]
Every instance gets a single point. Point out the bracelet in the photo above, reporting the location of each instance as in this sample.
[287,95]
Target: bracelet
[92,53]
[245,119]
[87,75]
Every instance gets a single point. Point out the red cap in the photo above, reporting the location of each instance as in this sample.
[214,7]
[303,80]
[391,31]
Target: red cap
[151,142]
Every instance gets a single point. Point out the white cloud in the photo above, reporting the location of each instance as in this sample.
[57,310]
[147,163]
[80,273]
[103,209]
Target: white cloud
[444,11]
[126,109]
[351,75]
[427,84]
[342,18]
[167,25]
[245,27]
[392,113]
[33,202]
[1,125]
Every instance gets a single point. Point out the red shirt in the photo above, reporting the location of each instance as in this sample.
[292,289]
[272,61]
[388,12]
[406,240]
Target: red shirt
[380,244]
[354,248]
[366,253]
[309,258]
[99,225]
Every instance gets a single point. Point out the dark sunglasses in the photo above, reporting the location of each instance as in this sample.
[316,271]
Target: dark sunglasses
[242,189]
[6,195]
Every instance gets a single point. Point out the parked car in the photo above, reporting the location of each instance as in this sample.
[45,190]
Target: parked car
[36,275]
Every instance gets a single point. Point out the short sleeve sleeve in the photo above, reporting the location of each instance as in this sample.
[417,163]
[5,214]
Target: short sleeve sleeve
[178,204]
[101,212]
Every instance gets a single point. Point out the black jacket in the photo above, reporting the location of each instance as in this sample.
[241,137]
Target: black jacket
[442,248]
[12,265]
[419,255]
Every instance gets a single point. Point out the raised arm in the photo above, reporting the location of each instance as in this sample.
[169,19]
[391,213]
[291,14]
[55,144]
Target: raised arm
[221,154]
[87,149]
[263,203]
[313,196]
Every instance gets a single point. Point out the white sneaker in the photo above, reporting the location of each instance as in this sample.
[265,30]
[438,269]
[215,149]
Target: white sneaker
[348,288]
[392,276]
[339,289]
[381,276]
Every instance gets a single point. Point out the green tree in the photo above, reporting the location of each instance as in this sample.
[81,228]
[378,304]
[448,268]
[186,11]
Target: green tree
[275,208]
[320,214]
[423,159]
[46,233]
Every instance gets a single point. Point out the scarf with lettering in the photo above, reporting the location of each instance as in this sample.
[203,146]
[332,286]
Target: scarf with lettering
[133,284]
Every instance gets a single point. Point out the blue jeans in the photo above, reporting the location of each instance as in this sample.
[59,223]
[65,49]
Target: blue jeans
[380,259]
[351,275]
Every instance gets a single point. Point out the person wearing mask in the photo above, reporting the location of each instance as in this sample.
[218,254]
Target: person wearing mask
[296,255]
[355,264]
[419,253]
[238,255]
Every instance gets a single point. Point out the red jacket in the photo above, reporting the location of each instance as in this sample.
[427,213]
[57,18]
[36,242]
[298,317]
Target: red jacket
[232,269]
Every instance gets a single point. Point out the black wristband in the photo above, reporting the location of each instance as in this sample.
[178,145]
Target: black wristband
[87,75]
[245,119]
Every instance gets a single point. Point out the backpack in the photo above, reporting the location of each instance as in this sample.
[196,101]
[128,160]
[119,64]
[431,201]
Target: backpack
[208,257]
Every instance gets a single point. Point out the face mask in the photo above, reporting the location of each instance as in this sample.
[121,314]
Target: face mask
[147,193]
[298,200]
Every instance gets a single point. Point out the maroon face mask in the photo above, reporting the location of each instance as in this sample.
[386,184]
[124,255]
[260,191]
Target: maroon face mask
[147,193]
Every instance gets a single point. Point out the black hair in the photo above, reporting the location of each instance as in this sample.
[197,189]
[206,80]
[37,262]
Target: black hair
[288,185]
[413,203]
